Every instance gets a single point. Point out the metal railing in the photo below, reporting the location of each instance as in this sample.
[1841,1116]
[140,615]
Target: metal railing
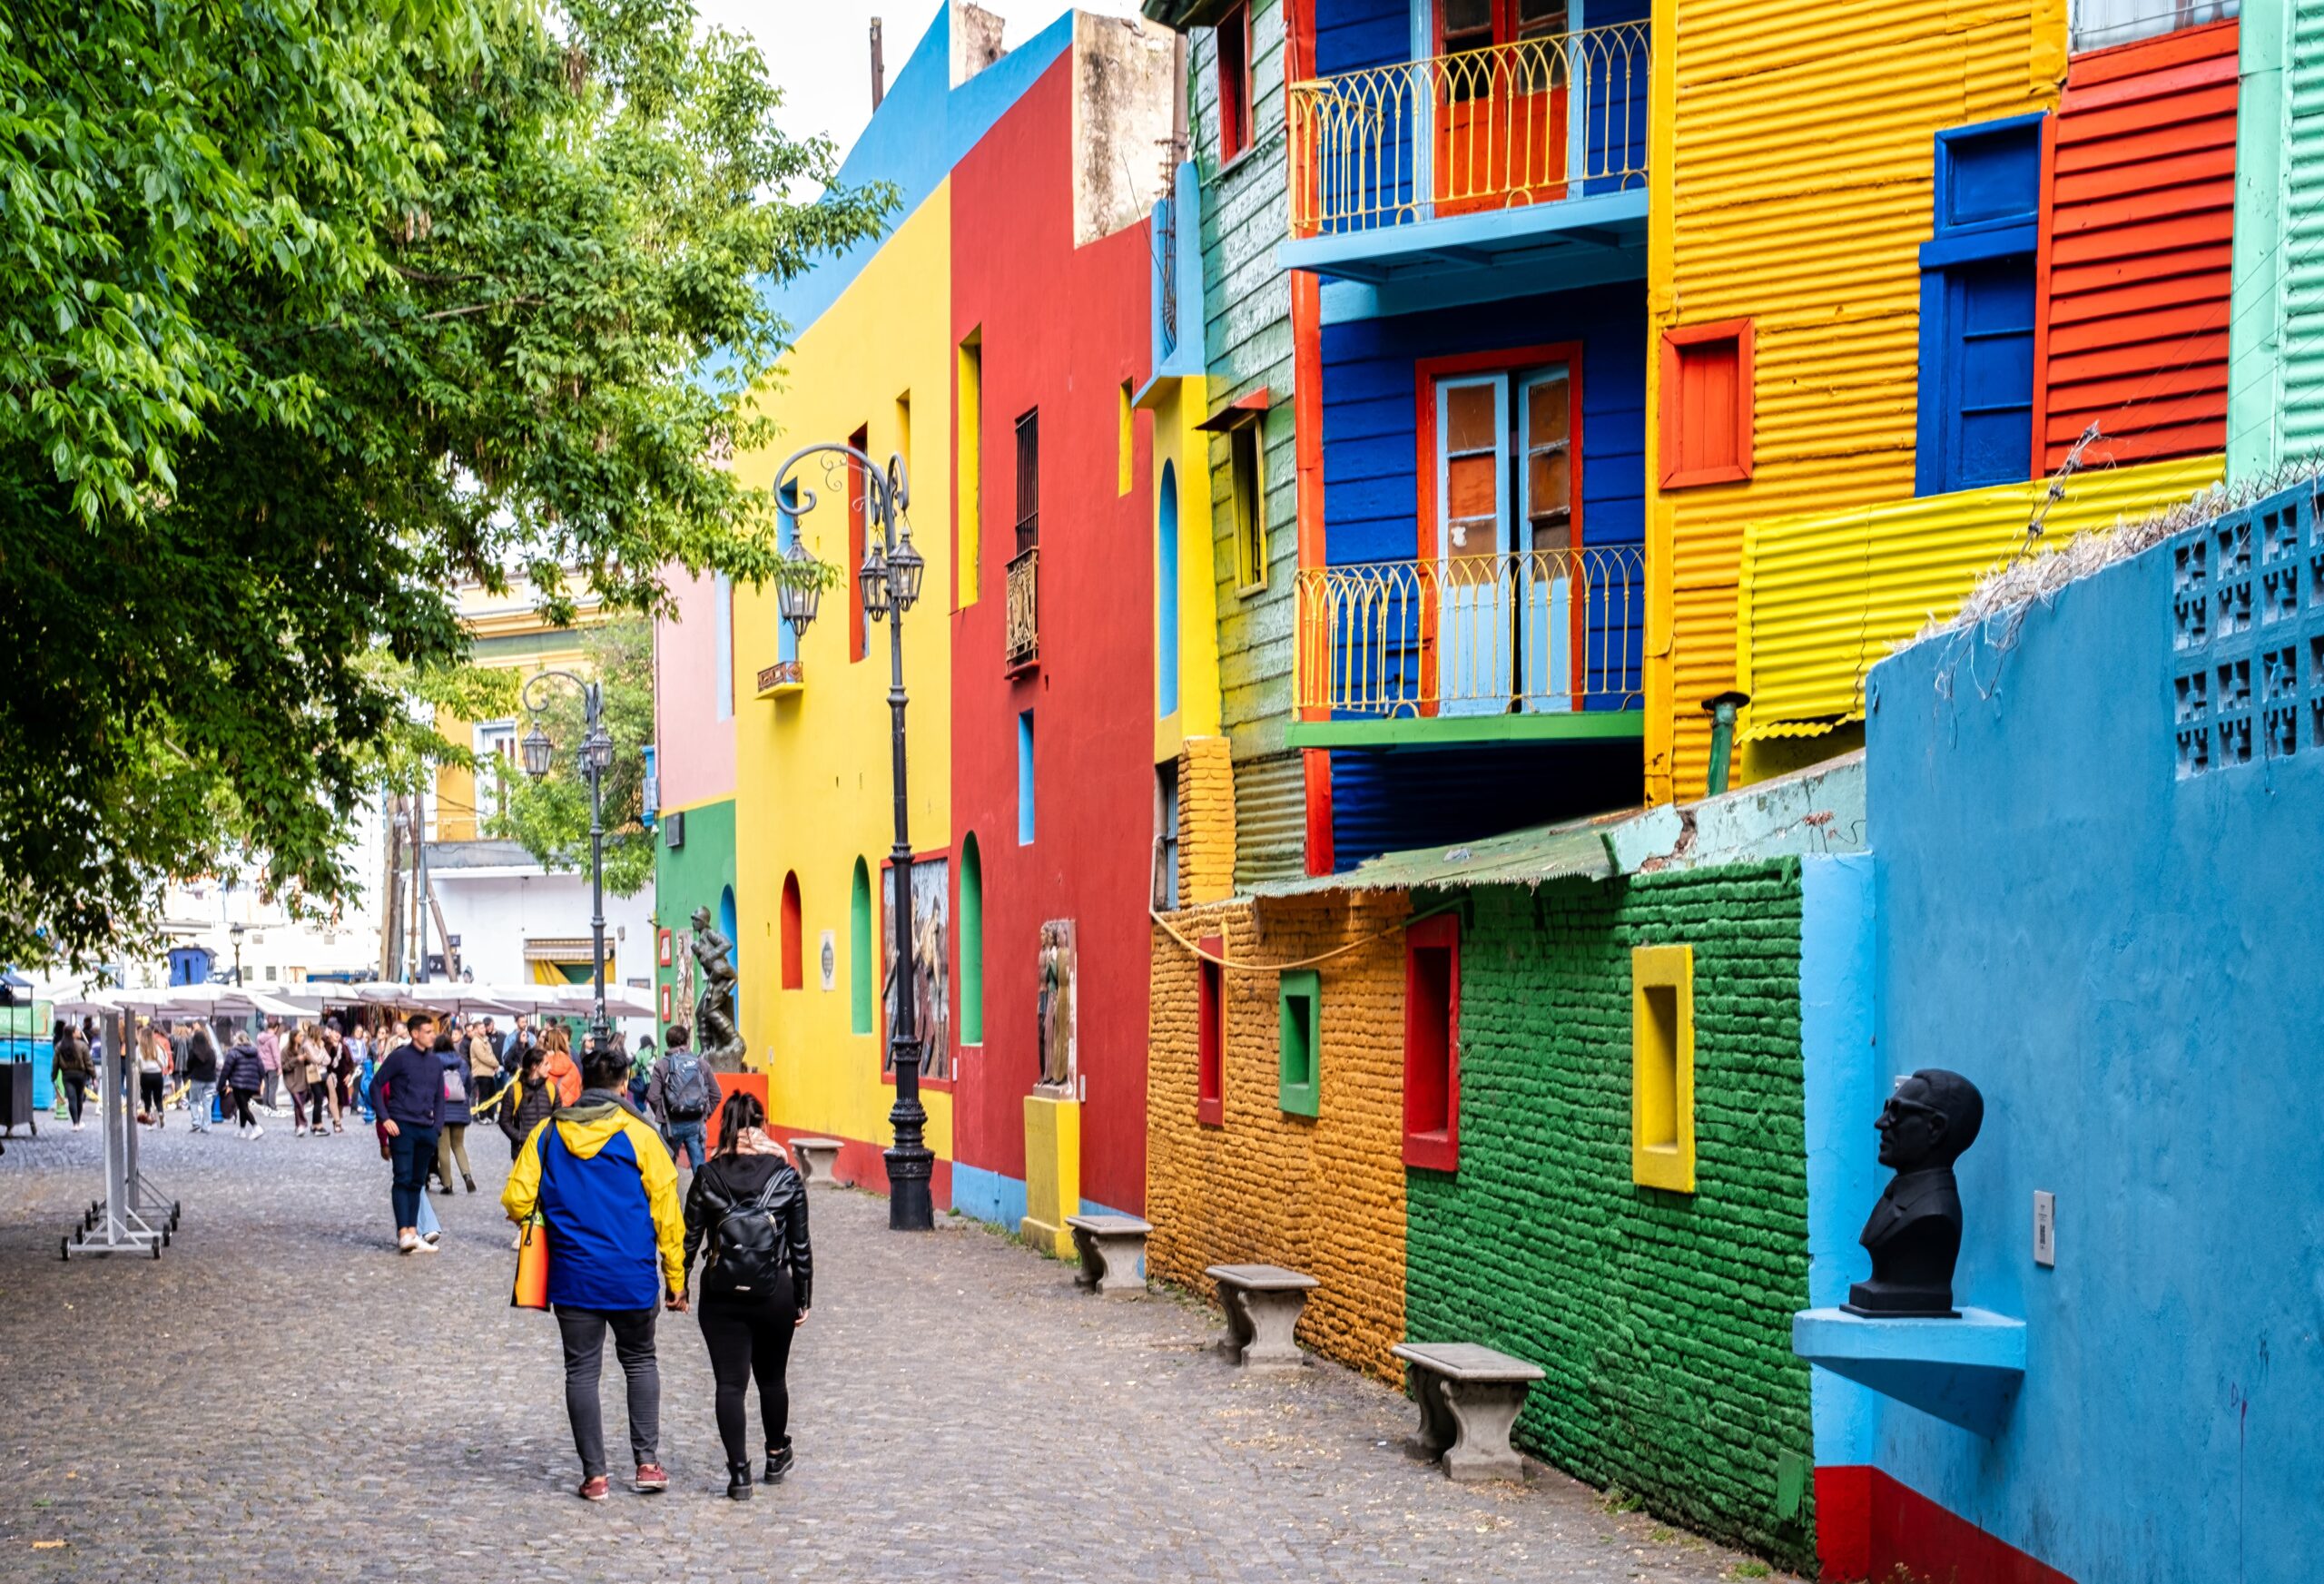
[1531,631]
[1533,121]
[1021,635]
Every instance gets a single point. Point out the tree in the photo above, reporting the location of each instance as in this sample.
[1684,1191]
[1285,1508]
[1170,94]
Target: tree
[309,309]
[551,817]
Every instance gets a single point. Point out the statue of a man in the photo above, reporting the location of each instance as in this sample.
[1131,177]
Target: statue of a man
[1914,1232]
[716,1036]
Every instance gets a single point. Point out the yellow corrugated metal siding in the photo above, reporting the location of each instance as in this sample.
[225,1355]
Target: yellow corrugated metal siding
[1826,596]
[1796,193]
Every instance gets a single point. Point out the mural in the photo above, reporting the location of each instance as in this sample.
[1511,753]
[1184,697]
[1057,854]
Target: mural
[931,937]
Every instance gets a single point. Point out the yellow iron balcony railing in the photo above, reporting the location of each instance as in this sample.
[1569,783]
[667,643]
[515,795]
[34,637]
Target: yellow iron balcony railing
[1529,631]
[1021,634]
[1535,121]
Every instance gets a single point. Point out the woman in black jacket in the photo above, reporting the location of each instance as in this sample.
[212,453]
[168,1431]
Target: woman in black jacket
[749,1208]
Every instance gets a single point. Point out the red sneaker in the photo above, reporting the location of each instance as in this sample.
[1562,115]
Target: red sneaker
[651,1478]
[595,1487]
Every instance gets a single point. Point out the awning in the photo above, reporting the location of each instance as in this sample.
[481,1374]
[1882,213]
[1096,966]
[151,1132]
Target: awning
[561,948]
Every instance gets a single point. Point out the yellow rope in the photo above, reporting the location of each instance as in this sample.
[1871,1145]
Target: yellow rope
[1172,931]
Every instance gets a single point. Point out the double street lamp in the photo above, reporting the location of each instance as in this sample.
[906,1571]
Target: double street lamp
[596,757]
[888,581]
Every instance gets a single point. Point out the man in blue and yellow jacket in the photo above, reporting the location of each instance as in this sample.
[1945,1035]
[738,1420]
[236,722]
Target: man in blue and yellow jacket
[607,1195]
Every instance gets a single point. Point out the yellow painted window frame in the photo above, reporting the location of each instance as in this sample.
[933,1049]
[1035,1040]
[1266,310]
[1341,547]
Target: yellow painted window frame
[1661,1063]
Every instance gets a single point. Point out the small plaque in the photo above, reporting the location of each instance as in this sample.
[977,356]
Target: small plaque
[2045,1228]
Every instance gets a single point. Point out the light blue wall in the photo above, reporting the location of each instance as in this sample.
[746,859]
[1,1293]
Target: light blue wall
[2125,963]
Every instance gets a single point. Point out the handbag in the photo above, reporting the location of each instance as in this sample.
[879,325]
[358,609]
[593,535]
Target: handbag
[531,1288]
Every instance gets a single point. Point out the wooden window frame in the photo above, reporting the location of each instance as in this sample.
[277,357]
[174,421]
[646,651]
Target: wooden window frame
[1432,1148]
[1675,341]
[1503,361]
[1237,100]
[1666,1166]
[1303,1097]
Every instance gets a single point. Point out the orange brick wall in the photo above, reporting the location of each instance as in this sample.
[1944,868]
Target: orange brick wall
[1323,1195]
[1205,820]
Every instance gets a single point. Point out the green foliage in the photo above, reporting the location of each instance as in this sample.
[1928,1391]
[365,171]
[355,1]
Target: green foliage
[551,816]
[309,309]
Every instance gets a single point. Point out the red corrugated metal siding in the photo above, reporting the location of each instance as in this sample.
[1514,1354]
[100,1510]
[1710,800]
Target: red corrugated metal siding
[2138,213]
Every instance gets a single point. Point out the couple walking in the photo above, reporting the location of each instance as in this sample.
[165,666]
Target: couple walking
[606,1191]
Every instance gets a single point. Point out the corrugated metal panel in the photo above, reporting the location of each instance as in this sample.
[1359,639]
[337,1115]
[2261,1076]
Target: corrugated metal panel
[1799,196]
[2138,223]
[1419,798]
[1270,819]
[2302,255]
[1826,597]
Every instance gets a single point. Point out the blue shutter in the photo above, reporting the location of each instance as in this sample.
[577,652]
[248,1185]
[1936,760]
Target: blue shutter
[1989,400]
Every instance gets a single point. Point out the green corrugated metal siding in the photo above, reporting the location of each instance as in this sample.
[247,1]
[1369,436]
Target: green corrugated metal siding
[2302,251]
[1270,819]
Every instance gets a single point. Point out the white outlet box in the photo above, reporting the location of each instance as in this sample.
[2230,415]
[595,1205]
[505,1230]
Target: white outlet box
[2045,1228]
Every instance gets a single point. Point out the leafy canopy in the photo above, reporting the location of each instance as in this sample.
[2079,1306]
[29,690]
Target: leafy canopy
[551,817]
[309,309]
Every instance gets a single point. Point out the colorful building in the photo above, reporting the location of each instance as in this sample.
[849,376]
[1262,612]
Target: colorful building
[694,686]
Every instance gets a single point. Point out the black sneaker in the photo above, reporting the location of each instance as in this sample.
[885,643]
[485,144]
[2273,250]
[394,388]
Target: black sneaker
[778,1461]
[738,1481]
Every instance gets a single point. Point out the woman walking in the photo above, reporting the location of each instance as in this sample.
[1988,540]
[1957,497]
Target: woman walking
[291,1070]
[153,1073]
[201,1076]
[452,1140]
[245,1076]
[307,1054]
[71,1066]
[748,1208]
[561,1072]
[535,1101]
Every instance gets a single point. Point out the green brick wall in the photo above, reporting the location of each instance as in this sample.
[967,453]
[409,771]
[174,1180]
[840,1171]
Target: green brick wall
[1663,1320]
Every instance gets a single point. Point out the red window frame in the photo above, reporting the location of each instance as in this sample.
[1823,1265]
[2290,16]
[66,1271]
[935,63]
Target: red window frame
[1675,474]
[859,512]
[1231,41]
[1210,1036]
[1433,1047]
[793,932]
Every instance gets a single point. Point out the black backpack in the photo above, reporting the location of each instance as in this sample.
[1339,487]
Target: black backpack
[749,1247]
[686,1087]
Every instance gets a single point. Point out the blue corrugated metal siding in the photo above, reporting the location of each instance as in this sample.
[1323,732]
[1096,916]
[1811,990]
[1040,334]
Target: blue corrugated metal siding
[1361,34]
[1382,802]
[1617,135]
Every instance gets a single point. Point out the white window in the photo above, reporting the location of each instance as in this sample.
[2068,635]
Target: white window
[2100,23]
[496,760]
[723,616]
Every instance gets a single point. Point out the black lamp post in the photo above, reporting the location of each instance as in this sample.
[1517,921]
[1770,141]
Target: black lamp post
[597,757]
[888,581]
[235,932]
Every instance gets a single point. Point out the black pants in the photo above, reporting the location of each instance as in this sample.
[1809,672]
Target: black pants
[242,1098]
[319,1101]
[584,1332]
[76,1095]
[750,1337]
[149,1094]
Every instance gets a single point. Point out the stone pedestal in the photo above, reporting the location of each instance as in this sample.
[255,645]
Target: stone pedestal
[817,1160]
[1052,1171]
[1263,1305]
[1112,1248]
[1469,1399]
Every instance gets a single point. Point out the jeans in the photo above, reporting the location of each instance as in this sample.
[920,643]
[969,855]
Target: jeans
[197,1096]
[584,1334]
[413,1151]
[688,1134]
[751,1336]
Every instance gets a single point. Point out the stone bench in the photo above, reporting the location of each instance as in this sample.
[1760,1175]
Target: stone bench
[1110,1247]
[1263,1305]
[1469,1398]
[818,1161]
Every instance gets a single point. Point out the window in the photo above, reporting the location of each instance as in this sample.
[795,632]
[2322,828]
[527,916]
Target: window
[786,530]
[793,942]
[721,589]
[1707,398]
[1210,1036]
[859,514]
[859,951]
[1024,779]
[967,470]
[1232,39]
[1977,294]
[1028,481]
[1247,495]
[1662,1066]
[1433,1044]
[903,430]
[971,941]
[1166,596]
[2101,23]
[1125,443]
[496,755]
[1298,1084]
[1166,835]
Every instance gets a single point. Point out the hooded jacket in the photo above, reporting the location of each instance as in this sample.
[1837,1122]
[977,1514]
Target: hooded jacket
[244,1070]
[728,1183]
[607,1193]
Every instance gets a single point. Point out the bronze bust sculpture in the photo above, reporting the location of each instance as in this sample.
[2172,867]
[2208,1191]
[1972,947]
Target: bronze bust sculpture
[1914,1232]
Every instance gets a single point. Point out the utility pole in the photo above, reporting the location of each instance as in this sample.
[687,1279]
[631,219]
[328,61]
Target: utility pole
[879,69]
[390,886]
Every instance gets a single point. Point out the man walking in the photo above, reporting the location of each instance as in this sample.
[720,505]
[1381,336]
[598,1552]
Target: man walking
[608,1198]
[409,1088]
[682,1094]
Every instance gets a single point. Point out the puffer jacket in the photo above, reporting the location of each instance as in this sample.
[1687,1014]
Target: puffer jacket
[608,1195]
[244,1070]
[727,1183]
[533,1104]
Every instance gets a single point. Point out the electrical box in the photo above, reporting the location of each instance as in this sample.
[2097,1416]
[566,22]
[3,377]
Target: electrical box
[2045,1228]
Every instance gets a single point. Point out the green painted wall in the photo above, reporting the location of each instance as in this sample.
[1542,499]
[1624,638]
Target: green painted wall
[692,877]
[1246,345]
[1663,1320]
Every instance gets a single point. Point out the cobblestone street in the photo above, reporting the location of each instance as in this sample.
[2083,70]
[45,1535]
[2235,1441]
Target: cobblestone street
[282,1397]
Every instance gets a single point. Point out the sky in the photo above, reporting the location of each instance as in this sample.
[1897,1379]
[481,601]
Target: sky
[819,51]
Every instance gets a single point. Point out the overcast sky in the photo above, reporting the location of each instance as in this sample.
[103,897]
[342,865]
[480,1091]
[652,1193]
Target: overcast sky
[819,51]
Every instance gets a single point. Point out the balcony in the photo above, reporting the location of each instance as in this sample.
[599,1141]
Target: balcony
[1529,644]
[1530,154]
[1021,638]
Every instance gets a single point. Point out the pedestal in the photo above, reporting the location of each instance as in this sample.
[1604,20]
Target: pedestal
[1052,1171]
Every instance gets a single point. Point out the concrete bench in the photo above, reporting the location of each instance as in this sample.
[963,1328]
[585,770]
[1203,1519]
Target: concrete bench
[1110,1247]
[818,1160]
[1263,1305]
[1469,1398]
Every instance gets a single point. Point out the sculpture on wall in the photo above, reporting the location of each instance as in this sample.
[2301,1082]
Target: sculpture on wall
[1055,1013]
[1914,1232]
[716,1038]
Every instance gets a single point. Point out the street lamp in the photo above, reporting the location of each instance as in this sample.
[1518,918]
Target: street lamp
[594,758]
[888,581]
[235,930]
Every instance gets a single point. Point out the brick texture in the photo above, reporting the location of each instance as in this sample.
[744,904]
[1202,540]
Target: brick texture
[1663,1320]
[1206,820]
[1323,1195]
